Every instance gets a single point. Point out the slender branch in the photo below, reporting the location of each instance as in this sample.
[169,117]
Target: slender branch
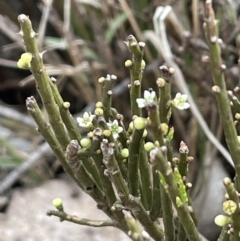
[145,177]
[156,210]
[65,113]
[82,221]
[136,71]
[211,30]
[179,204]
[233,195]
[114,171]
[133,160]
[42,80]
[167,213]
[47,132]
[135,232]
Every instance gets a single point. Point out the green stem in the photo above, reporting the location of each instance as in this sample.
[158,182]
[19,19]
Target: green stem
[145,176]
[180,206]
[233,195]
[114,171]
[43,81]
[47,132]
[141,214]
[219,89]
[167,212]
[136,72]
[133,162]
[82,221]
[65,113]
[107,96]
[156,210]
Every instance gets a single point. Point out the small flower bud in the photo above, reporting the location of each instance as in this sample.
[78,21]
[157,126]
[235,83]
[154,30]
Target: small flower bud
[143,64]
[144,133]
[179,202]
[107,133]
[57,202]
[216,89]
[161,82]
[139,123]
[99,104]
[229,207]
[25,61]
[164,128]
[98,111]
[101,80]
[221,220]
[85,142]
[125,153]
[237,116]
[128,63]
[66,105]
[130,128]
[148,146]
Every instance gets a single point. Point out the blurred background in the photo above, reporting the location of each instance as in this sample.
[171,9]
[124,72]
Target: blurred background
[82,41]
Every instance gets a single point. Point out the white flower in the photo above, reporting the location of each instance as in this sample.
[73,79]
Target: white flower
[180,101]
[113,126]
[148,99]
[86,121]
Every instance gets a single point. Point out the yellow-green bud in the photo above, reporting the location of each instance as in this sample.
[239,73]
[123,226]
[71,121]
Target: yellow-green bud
[90,134]
[25,61]
[99,104]
[157,143]
[148,146]
[237,116]
[229,207]
[161,82]
[98,111]
[179,202]
[130,128]
[57,202]
[221,220]
[145,133]
[164,128]
[170,134]
[216,89]
[125,153]
[238,137]
[128,63]
[139,123]
[66,105]
[227,181]
[85,142]
[107,133]
[101,80]
[143,64]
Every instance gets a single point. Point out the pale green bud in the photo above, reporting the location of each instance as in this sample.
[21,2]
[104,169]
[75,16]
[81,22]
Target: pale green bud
[57,202]
[148,146]
[125,153]
[128,63]
[85,142]
[221,220]
[229,207]
[98,111]
[139,123]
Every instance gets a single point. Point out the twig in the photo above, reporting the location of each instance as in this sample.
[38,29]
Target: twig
[180,205]
[82,221]
[217,68]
